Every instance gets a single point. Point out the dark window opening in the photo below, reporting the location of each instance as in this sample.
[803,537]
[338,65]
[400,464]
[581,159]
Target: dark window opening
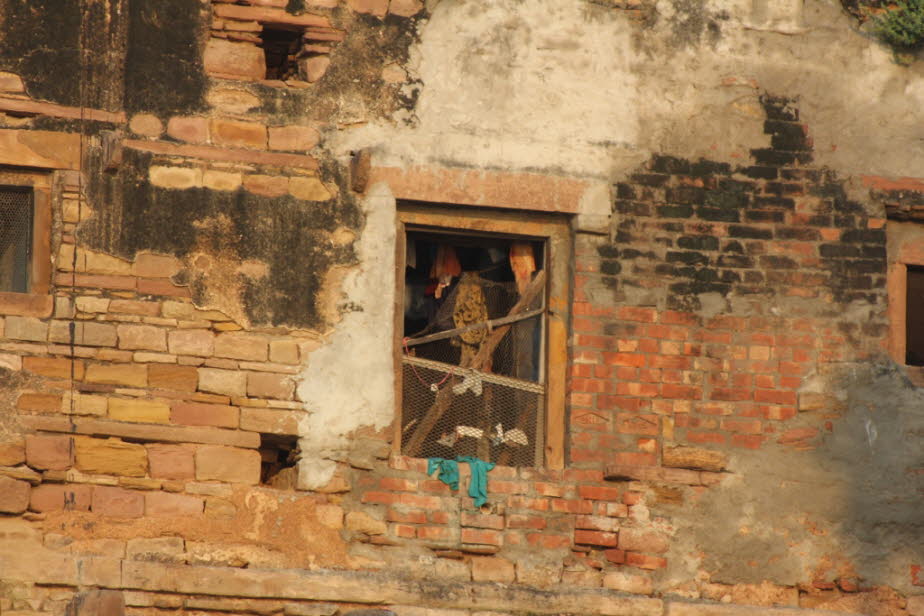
[281,48]
[473,369]
[914,317]
[16,213]
[279,454]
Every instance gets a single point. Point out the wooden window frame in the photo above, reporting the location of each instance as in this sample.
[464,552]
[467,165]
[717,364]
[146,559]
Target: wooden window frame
[905,248]
[38,300]
[555,231]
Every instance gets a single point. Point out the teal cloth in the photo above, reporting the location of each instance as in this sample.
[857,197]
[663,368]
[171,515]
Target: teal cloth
[449,474]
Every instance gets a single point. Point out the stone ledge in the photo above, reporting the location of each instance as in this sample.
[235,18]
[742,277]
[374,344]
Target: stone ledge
[623,472]
[144,432]
[225,155]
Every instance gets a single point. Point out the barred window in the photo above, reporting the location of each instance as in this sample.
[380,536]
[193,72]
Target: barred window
[16,241]
[473,372]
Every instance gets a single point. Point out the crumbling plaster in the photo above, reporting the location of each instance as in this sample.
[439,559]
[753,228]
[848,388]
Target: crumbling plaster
[581,88]
[348,383]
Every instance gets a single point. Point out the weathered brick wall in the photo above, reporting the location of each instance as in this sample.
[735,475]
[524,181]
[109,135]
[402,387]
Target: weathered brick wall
[201,269]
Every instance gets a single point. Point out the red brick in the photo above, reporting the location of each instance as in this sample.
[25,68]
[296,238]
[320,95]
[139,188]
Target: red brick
[434,533]
[744,426]
[395,483]
[637,459]
[548,541]
[617,557]
[641,424]
[55,496]
[685,392]
[172,505]
[522,502]
[562,505]
[596,538]
[439,517]
[705,437]
[481,537]
[644,561]
[775,396]
[49,452]
[797,434]
[407,517]
[624,359]
[599,493]
[436,487]
[747,441]
[635,313]
[197,414]
[525,521]
[117,502]
[404,531]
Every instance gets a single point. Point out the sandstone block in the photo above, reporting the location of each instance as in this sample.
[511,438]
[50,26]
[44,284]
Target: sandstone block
[110,457]
[11,82]
[26,328]
[12,452]
[136,410]
[694,458]
[196,414]
[270,385]
[172,505]
[372,7]
[234,59]
[148,265]
[29,401]
[308,189]
[493,569]
[314,67]
[405,8]
[627,582]
[178,178]
[200,342]
[88,404]
[118,374]
[9,361]
[361,522]
[157,549]
[117,502]
[171,461]
[145,337]
[266,185]
[100,263]
[14,495]
[146,125]
[221,180]
[53,367]
[89,303]
[241,346]
[283,351]
[225,382]
[236,133]
[131,306]
[330,516]
[190,129]
[86,333]
[170,376]
[272,421]
[56,496]
[293,138]
[49,452]
[216,463]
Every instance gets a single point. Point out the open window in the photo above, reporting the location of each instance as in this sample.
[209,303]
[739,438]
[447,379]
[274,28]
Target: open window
[906,296]
[914,316]
[475,338]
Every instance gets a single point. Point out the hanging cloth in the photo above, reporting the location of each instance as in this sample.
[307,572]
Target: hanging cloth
[523,264]
[449,474]
[445,266]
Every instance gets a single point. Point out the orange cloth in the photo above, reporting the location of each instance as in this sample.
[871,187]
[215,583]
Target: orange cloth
[445,266]
[523,264]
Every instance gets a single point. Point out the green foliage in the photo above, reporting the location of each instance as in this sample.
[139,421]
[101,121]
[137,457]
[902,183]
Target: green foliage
[902,27]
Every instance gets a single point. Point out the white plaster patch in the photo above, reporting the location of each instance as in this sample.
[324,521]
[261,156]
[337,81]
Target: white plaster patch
[348,383]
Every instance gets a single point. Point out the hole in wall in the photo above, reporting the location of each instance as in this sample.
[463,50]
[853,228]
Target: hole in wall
[279,455]
[281,47]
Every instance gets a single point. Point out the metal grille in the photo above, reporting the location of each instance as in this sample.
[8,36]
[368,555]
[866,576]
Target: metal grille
[496,412]
[15,239]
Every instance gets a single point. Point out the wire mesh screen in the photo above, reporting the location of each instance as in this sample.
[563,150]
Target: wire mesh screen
[15,239]
[477,390]
[450,411]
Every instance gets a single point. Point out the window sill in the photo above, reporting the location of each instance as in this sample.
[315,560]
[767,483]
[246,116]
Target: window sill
[26,304]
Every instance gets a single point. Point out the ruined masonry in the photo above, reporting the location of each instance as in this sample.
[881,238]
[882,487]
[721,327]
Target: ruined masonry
[651,269]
